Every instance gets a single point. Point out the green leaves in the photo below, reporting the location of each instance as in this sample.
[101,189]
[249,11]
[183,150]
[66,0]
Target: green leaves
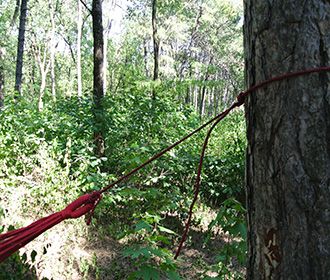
[147,265]
[147,272]
[231,219]
[142,224]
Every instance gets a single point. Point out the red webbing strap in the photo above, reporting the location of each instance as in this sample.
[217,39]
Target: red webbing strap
[12,241]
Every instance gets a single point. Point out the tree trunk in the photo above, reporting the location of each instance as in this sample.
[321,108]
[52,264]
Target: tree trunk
[98,76]
[42,89]
[20,50]
[43,73]
[52,50]
[156,44]
[12,23]
[202,102]
[2,54]
[288,132]
[2,77]
[79,27]
[145,56]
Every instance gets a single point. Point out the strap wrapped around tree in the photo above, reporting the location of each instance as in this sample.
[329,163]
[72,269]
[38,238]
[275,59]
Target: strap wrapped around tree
[12,241]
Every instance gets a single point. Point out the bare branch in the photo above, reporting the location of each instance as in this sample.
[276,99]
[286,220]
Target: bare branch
[82,2]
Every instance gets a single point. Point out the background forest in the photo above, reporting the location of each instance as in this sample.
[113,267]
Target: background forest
[168,67]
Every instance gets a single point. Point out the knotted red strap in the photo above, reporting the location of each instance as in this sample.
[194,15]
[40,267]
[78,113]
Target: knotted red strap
[12,241]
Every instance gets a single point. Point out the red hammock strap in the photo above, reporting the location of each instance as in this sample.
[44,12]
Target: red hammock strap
[13,240]
[81,206]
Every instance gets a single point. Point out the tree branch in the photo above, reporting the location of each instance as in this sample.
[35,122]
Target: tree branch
[82,2]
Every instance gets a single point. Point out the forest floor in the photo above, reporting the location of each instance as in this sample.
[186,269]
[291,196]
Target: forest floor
[73,250]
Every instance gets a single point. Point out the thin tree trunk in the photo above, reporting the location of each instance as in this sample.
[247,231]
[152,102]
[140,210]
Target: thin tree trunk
[2,77]
[42,90]
[2,54]
[43,73]
[156,44]
[20,50]
[98,76]
[196,94]
[13,20]
[288,132]
[79,27]
[52,50]
[145,56]
[202,101]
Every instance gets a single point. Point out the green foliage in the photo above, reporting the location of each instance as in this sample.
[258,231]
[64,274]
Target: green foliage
[230,219]
[55,146]
[152,261]
[224,167]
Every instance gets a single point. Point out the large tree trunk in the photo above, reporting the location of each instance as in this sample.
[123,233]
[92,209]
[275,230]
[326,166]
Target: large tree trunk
[20,49]
[98,75]
[288,131]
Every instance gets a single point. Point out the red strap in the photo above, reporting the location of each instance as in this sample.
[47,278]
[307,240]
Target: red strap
[80,206]
[16,239]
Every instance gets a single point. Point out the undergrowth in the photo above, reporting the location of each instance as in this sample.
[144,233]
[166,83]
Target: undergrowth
[47,160]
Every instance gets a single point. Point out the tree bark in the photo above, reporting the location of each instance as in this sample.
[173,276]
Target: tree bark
[98,76]
[20,50]
[288,133]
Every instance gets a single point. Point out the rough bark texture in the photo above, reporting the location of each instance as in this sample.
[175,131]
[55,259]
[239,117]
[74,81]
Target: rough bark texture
[20,49]
[98,75]
[288,131]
